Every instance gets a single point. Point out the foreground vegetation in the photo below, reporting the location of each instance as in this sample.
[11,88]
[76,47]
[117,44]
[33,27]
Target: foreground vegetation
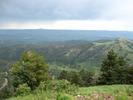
[116,92]
[30,78]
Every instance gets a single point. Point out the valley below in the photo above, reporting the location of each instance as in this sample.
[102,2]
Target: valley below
[77,58]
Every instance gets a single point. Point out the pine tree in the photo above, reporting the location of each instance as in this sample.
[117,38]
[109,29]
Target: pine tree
[111,68]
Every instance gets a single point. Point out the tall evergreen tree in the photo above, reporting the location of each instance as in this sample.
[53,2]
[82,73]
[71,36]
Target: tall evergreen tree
[111,68]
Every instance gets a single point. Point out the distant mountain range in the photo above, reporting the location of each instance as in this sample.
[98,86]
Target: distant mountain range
[74,48]
[39,35]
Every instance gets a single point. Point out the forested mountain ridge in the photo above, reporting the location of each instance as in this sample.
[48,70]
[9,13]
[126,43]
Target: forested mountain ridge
[76,52]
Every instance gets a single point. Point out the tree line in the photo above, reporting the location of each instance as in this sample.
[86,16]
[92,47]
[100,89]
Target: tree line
[114,70]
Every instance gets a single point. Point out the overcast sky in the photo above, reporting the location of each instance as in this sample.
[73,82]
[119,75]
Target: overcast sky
[67,14]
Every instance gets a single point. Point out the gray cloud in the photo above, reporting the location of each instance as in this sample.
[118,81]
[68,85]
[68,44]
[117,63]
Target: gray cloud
[32,10]
[48,11]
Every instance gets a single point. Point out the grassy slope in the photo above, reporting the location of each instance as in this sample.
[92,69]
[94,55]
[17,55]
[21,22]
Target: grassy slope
[111,89]
[120,92]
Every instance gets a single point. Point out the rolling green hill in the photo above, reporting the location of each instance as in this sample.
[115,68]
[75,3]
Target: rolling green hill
[71,53]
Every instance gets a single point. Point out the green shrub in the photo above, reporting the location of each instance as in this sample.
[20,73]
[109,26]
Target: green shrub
[58,86]
[23,89]
[129,91]
[6,92]
[121,97]
[64,97]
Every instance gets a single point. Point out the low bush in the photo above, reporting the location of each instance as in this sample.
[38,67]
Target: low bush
[58,86]
[23,89]
[129,91]
[64,97]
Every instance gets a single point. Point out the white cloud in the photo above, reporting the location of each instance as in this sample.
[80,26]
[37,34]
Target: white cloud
[71,24]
